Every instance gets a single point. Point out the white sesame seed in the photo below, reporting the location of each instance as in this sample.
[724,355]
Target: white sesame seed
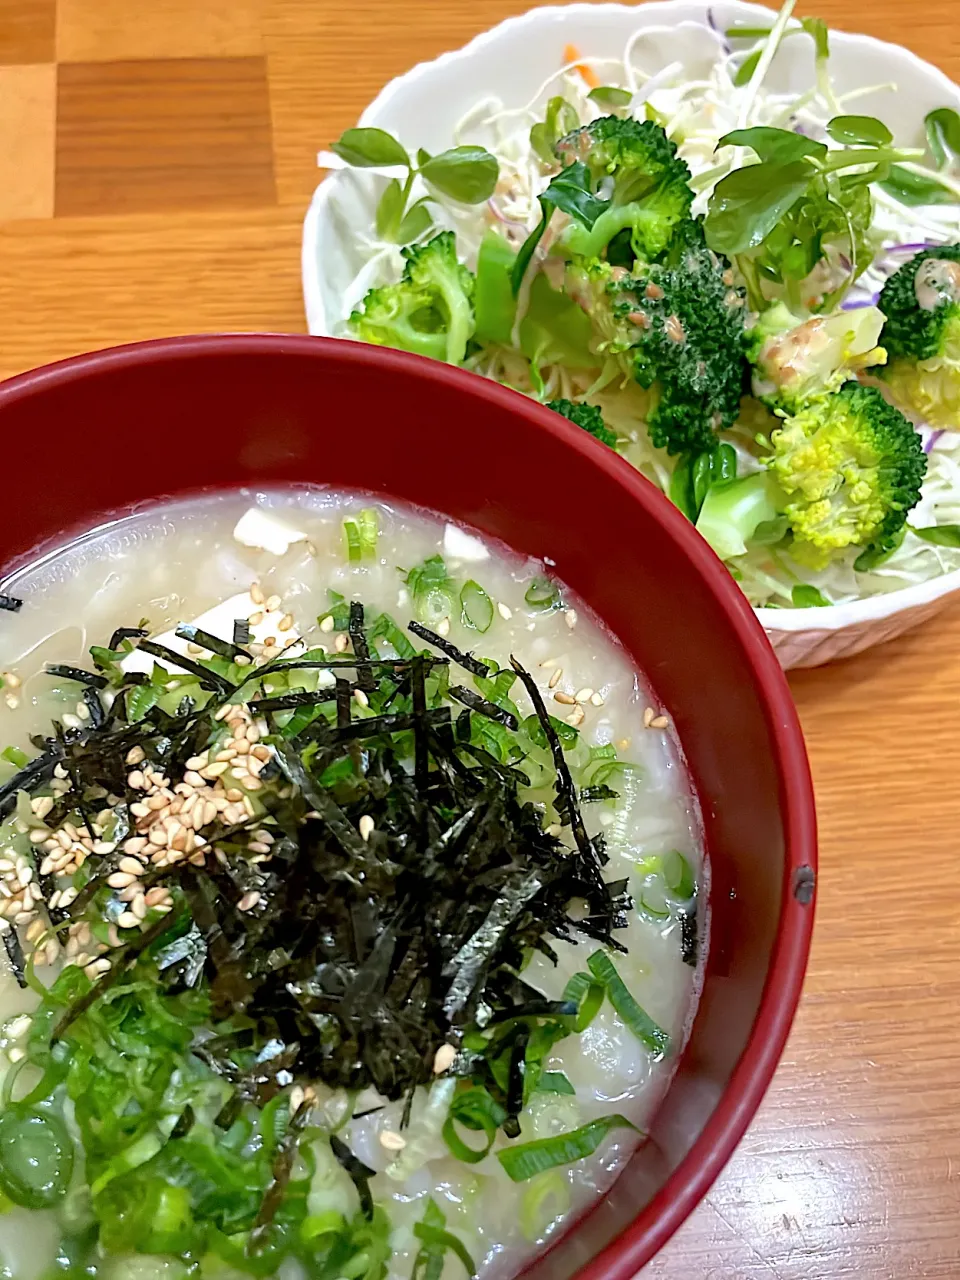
[576,716]
[567,699]
[103,846]
[68,896]
[361,698]
[660,722]
[35,930]
[69,721]
[131,865]
[555,678]
[97,968]
[127,920]
[584,695]
[38,835]
[444,1059]
[392,1141]
[83,711]
[252,784]
[443,627]
[365,826]
[340,643]
[571,618]
[16,1054]
[11,681]
[504,611]
[597,699]
[135,755]
[648,717]
[327,623]
[273,604]
[256,593]
[286,622]
[120,879]
[12,701]
[248,901]
[138,907]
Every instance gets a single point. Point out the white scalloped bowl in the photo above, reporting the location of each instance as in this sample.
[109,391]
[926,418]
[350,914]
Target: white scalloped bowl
[511,61]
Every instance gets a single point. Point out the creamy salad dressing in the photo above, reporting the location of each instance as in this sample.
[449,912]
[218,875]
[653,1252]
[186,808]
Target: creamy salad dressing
[170,565]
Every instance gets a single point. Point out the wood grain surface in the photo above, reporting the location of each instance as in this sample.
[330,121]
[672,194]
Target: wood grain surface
[155,164]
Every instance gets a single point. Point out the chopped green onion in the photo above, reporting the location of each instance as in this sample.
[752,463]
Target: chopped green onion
[555,1082]
[476,1110]
[565,732]
[636,1019]
[530,1158]
[678,875]
[542,594]
[476,607]
[360,535]
[548,1186]
[13,755]
[36,1158]
[433,591]
[588,995]
[437,1243]
[653,902]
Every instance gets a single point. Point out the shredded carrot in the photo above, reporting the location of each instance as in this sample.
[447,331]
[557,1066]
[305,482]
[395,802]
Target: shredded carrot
[571,55]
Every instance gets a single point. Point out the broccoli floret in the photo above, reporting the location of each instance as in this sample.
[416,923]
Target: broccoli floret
[922,335]
[588,417]
[843,472]
[795,361]
[677,328]
[429,311]
[635,166]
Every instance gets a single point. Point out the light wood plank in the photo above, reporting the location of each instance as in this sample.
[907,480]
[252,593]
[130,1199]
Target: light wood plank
[176,133]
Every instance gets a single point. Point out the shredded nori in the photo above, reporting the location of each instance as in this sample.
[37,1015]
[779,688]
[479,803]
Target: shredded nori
[302,698]
[11,944]
[361,649]
[75,673]
[11,604]
[126,633]
[473,700]
[689,931]
[94,706]
[241,632]
[208,679]
[465,660]
[212,643]
[364,953]
[360,1174]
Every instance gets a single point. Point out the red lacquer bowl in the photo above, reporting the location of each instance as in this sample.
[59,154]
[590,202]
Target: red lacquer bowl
[96,434]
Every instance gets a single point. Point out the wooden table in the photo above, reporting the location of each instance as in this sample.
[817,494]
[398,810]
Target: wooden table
[156,158]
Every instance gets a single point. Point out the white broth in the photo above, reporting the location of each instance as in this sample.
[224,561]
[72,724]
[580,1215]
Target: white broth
[176,564]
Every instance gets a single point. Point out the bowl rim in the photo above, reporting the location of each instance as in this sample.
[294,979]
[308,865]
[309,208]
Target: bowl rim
[690,1181]
[787,620]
